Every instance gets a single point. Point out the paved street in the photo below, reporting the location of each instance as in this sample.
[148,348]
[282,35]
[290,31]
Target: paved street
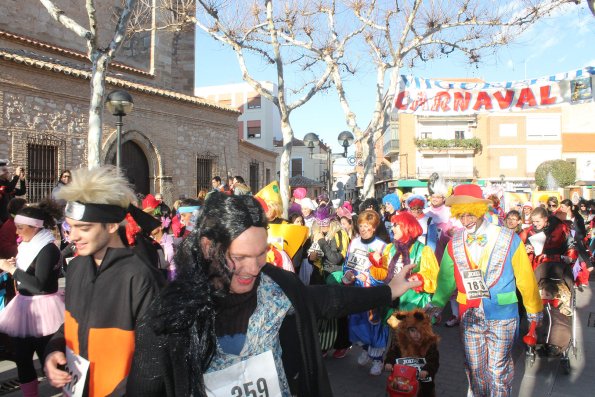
[544,379]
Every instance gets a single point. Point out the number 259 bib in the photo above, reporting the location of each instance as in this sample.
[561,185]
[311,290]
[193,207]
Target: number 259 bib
[475,287]
[254,377]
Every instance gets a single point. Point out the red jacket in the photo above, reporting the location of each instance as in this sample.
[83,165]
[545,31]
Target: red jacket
[558,242]
[8,239]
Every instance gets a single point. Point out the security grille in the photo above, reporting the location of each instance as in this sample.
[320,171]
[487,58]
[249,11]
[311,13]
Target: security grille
[254,177]
[42,165]
[204,172]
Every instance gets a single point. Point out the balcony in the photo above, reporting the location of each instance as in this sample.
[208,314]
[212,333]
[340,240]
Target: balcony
[449,171]
[391,147]
[458,146]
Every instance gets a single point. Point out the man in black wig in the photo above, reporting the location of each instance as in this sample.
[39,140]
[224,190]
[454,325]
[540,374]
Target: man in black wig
[231,323]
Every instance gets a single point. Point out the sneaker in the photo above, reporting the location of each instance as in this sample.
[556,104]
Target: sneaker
[363,358]
[376,368]
[340,353]
[453,322]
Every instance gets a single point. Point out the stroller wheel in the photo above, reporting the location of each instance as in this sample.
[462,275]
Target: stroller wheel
[565,363]
[530,357]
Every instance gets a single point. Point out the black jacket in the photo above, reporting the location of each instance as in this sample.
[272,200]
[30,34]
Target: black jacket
[160,364]
[103,304]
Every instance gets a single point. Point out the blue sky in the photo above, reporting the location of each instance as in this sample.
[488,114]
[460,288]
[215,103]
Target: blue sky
[557,44]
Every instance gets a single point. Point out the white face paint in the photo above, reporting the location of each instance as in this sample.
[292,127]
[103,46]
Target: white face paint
[470,222]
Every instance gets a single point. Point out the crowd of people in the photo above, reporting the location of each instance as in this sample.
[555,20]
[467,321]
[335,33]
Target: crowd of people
[190,296]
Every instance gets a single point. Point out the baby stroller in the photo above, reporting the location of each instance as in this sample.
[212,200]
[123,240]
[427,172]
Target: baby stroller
[557,335]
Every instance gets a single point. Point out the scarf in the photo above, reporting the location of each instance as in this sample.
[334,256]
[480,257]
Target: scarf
[28,251]
[402,251]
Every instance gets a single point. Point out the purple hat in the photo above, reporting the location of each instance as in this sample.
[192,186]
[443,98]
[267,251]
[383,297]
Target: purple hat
[323,216]
[323,197]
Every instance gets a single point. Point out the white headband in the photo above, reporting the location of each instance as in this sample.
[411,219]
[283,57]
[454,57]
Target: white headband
[25,220]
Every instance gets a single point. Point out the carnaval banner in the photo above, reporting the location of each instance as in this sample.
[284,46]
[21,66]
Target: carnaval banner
[443,97]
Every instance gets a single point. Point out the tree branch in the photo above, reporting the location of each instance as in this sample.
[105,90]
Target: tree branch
[66,21]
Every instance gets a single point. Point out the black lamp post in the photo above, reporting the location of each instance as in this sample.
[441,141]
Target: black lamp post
[345,139]
[311,140]
[119,103]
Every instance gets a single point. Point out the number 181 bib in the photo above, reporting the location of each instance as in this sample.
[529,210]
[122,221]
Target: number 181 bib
[254,377]
[475,287]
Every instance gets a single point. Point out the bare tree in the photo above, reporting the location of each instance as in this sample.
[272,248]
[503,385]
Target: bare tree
[100,57]
[261,32]
[406,33]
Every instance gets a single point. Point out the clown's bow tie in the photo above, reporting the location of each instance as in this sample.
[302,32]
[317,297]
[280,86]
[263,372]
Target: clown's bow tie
[480,239]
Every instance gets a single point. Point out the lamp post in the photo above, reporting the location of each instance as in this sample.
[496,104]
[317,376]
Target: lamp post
[345,139]
[119,103]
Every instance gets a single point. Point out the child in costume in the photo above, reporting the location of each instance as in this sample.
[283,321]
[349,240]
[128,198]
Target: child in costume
[414,343]
[403,250]
[366,328]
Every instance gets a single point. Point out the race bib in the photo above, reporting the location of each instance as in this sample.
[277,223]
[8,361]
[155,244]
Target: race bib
[358,260]
[255,377]
[475,287]
[78,368]
[416,362]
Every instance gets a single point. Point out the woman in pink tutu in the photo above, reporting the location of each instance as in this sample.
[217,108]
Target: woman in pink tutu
[37,311]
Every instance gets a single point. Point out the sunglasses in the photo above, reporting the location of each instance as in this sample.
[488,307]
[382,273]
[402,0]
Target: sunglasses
[552,205]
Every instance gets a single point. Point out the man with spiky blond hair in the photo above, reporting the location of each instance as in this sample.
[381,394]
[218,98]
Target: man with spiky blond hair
[108,289]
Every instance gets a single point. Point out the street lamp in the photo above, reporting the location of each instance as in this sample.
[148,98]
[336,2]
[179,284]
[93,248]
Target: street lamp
[119,103]
[311,140]
[345,139]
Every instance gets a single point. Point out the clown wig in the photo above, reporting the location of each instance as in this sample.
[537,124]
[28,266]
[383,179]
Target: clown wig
[416,201]
[477,209]
[409,226]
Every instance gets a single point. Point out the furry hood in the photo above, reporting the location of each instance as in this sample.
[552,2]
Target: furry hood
[401,321]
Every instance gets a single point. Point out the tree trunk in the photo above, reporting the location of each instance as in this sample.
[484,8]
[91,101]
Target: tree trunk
[369,162]
[284,162]
[100,62]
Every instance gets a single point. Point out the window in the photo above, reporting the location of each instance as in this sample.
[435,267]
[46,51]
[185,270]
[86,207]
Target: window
[508,130]
[267,176]
[204,175]
[508,162]
[42,169]
[254,182]
[296,167]
[254,103]
[544,126]
[254,129]
[538,155]
[225,102]
[459,134]
[426,135]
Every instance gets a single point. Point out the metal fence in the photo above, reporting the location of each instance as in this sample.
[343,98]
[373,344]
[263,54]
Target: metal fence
[42,171]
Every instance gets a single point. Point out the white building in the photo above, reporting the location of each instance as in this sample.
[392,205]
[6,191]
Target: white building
[259,123]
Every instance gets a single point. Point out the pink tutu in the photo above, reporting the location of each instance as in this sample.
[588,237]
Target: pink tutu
[37,315]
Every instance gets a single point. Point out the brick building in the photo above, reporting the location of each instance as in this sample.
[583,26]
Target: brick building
[173,142]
